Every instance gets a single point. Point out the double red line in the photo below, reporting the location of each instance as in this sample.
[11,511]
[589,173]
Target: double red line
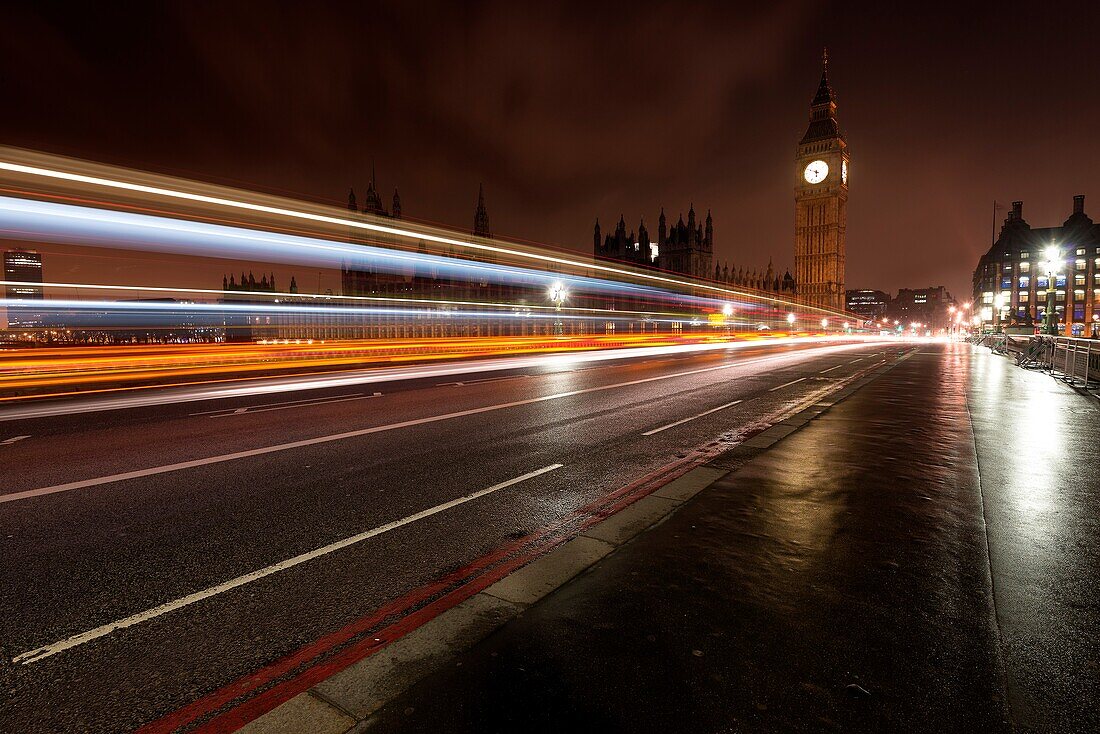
[249,697]
[253,695]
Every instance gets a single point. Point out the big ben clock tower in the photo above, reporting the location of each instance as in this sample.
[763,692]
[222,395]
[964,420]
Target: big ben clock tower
[821,203]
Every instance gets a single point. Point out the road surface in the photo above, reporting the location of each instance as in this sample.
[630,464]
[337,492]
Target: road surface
[153,554]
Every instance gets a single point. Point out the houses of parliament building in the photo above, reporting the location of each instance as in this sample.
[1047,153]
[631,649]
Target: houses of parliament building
[821,219]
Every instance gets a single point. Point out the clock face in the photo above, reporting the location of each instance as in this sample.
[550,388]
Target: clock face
[816,172]
[844,172]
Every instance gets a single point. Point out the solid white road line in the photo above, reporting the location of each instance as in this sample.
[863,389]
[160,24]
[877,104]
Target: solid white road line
[830,369]
[250,411]
[47,650]
[786,384]
[856,360]
[151,471]
[478,382]
[13,440]
[286,402]
[685,420]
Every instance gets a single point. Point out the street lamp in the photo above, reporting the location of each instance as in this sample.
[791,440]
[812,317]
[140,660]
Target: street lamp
[1051,263]
[727,311]
[557,295]
[998,304]
[824,323]
[790,319]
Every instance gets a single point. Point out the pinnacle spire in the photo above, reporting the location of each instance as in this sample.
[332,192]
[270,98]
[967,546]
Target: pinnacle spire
[824,94]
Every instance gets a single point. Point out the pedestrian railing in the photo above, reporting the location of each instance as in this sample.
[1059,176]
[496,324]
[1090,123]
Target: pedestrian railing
[1075,360]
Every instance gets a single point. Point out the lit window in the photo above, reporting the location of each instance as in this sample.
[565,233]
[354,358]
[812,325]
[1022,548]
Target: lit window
[1024,281]
[987,297]
[1079,279]
[1041,281]
[1060,281]
[1081,263]
[1008,267]
[1026,255]
[1079,295]
[1060,296]
[1080,250]
[1023,296]
[1025,267]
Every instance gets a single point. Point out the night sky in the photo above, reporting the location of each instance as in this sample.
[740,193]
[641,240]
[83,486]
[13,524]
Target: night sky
[586,110]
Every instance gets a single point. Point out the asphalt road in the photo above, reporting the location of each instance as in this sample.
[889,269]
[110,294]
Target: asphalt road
[106,515]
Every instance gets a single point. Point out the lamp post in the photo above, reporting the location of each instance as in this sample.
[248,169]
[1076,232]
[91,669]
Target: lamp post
[998,304]
[1050,265]
[790,320]
[557,295]
[727,312]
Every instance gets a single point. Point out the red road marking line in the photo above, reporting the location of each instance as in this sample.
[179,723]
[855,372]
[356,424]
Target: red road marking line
[470,580]
[466,581]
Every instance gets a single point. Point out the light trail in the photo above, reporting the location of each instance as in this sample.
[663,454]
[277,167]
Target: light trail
[599,312]
[196,388]
[370,226]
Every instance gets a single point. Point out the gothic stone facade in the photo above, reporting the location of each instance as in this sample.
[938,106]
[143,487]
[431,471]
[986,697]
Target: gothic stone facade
[821,203]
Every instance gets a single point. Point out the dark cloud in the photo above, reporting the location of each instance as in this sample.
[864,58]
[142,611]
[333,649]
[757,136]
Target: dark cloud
[569,111]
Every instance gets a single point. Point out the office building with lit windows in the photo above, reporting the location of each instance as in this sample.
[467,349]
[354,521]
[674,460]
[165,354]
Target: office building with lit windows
[23,273]
[1010,273]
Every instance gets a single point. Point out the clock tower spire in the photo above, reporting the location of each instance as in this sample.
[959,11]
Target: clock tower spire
[821,202]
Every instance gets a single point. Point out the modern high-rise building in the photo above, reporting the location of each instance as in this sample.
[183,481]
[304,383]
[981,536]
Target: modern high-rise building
[821,202]
[23,272]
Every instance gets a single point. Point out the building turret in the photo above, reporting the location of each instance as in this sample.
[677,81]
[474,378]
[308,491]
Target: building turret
[481,216]
[708,237]
[662,231]
[352,204]
[396,204]
[596,243]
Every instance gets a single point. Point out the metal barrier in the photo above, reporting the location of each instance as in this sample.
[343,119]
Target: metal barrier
[1075,360]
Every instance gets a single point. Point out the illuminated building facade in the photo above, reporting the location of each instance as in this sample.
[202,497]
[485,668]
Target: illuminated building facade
[869,304]
[927,306]
[24,267]
[1010,272]
[821,203]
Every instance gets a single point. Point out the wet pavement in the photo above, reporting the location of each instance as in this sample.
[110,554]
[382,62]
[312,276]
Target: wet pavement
[922,557]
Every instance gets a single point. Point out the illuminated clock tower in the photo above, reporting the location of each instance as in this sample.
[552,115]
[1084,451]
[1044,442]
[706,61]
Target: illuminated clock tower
[821,203]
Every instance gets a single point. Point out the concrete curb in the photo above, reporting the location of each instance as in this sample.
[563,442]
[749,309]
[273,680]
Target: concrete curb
[344,702]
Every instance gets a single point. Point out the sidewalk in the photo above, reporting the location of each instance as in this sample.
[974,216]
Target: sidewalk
[848,578]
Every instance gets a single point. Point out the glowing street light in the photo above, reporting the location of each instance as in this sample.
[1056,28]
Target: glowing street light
[727,310]
[1051,263]
[998,304]
[824,323]
[557,295]
[790,319]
